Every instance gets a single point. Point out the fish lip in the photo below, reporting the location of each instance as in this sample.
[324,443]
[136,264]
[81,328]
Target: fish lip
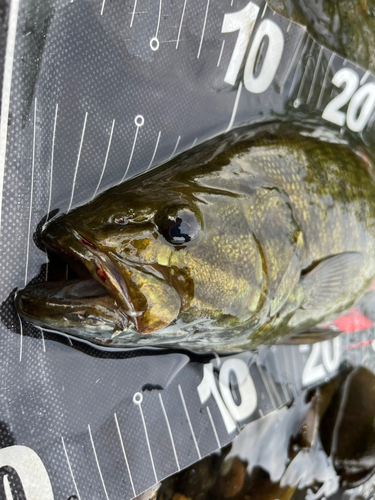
[66,240]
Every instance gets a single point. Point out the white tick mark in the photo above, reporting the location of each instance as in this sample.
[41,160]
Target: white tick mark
[31,196]
[154,42]
[139,122]
[266,385]
[296,53]
[169,430]
[179,29]
[296,72]
[325,80]
[156,147]
[364,77]
[213,428]
[203,30]
[264,10]
[221,53]
[44,343]
[52,158]
[106,158]
[175,148]
[123,451]
[132,19]
[21,336]
[78,158]
[70,468]
[309,58]
[97,463]
[137,400]
[237,100]
[189,421]
[315,75]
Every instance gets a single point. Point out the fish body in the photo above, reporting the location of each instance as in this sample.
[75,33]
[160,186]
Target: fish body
[240,242]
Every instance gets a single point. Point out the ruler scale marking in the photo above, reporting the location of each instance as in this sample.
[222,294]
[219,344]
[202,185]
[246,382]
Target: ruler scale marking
[70,468]
[189,421]
[169,431]
[123,451]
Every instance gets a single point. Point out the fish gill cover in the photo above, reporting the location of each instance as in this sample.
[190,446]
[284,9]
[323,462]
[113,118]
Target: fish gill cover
[94,94]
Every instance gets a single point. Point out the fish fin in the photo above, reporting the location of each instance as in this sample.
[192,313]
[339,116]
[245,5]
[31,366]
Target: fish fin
[331,279]
[316,334]
[289,280]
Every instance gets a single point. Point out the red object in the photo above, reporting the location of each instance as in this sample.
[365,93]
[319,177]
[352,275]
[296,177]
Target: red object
[353,321]
[364,343]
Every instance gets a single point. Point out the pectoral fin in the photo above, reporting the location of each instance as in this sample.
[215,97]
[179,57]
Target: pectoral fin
[332,280]
[289,280]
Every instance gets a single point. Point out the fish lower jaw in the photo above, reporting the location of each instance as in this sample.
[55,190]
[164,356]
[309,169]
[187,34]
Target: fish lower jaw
[79,307]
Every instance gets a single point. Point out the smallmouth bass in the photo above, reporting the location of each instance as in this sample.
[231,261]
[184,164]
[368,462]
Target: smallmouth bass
[240,242]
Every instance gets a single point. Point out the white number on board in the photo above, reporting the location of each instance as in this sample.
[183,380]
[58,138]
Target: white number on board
[361,101]
[332,111]
[323,360]
[243,21]
[31,472]
[229,409]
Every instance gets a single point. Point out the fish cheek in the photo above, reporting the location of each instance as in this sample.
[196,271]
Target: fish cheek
[227,277]
[155,303]
[163,305]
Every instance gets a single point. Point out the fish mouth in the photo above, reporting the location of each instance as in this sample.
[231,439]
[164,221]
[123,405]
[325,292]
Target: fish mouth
[109,298]
[98,302]
[76,250]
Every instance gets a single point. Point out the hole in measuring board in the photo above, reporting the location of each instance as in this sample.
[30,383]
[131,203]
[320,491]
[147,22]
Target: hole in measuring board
[137,398]
[139,121]
[154,44]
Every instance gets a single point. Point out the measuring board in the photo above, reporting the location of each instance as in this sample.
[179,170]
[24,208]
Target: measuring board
[96,92]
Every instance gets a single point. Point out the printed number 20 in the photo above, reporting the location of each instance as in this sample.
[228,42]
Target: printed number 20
[361,105]
[229,410]
[243,21]
[329,353]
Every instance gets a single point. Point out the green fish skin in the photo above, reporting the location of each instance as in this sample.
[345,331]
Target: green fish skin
[344,26]
[242,241]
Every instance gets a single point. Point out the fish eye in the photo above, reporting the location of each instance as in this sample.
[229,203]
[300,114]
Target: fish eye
[179,226]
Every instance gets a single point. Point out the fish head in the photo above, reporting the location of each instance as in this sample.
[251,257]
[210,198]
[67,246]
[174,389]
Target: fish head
[161,249]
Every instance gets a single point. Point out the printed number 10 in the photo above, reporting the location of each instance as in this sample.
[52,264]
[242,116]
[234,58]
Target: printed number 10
[244,21]
[229,410]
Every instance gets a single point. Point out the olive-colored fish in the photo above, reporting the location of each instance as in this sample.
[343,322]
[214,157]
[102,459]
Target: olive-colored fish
[239,242]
